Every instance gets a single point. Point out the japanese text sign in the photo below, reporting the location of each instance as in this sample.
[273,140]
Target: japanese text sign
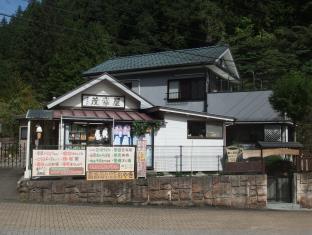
[58,163]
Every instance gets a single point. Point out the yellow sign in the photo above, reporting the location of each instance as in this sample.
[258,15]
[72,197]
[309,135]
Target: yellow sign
[232,153]
[110,175]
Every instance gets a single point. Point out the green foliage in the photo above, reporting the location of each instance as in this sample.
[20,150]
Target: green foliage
[51,43]
[140,128]
[292,96]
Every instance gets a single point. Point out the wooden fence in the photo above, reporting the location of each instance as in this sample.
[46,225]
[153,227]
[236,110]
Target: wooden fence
[304,163]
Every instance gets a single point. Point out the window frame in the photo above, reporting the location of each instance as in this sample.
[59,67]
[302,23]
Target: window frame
[180,98]
[20,132]
[206,123]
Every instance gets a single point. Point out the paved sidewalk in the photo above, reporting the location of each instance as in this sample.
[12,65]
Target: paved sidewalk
[8,183]
[19,218]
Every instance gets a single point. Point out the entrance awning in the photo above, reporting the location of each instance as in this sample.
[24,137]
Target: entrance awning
[102,114]
[76,114]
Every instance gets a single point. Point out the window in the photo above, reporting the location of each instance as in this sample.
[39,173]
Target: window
[186,89]
[23,133]
[202,129]
[128,84]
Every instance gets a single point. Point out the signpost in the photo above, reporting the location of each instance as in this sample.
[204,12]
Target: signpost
[58,163]
[141,159]
[110,163]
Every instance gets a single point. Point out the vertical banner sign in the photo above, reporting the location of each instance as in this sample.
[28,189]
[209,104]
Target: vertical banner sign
[141,158]
[110,163]
[58,163]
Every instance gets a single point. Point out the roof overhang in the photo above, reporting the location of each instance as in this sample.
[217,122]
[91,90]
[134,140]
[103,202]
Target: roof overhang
[221,72]
[264,122]
[190,113]
[269,145]
[105,76]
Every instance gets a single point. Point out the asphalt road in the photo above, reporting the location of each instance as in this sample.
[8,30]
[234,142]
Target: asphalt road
[21,218]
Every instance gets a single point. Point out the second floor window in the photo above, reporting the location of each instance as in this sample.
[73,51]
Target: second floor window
[186,89]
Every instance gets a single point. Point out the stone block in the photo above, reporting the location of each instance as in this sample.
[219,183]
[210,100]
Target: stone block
[208,195]
[261,190]
[166,186]
[160,195]
[303,178]
[252,179]
[238,202]
[185,194]
[139,193]
[58,198]
[262,198]
[261,180]
[23,196]
[197,196]
[58,187]
[94,198]
[252,200]
[234,179]
[47,195]
[35,196]
[175,195]
[225,179]
[226,202]
[153,184]
[242,191]
[181,183]
[208,202]
[215,179]
[243,178]
[196,187]
[73,189]
[71,198]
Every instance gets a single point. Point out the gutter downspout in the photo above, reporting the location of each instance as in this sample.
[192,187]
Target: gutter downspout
[206,90]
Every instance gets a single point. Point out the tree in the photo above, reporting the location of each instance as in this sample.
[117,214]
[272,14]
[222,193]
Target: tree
[292,96]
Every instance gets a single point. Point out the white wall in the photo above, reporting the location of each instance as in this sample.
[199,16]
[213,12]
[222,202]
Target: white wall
[197,154]
[102,88]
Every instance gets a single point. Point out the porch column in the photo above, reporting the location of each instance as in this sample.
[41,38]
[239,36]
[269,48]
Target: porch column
[27,173]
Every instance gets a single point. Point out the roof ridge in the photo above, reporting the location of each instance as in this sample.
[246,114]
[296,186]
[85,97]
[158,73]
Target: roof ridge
[162,52]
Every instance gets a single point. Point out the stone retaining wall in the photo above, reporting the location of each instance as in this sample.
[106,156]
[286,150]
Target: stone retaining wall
[304,189]
[237,191]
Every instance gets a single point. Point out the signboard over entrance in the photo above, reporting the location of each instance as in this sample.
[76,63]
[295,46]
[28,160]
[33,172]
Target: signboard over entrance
[58,163]
[103,101]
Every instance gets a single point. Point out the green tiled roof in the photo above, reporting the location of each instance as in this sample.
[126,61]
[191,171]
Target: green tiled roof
[194,56]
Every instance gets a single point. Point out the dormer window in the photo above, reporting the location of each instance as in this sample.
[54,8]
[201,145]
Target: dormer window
[186,89]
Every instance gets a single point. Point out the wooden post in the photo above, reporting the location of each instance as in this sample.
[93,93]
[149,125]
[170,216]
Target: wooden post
[262,162]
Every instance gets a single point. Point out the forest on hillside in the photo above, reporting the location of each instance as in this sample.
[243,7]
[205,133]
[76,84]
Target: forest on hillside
[45,48]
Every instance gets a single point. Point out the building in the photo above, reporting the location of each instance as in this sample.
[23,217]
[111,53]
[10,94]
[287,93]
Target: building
[194,93]
[202,80]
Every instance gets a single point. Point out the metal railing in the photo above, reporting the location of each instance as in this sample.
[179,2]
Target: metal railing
[188,159]
[12,155]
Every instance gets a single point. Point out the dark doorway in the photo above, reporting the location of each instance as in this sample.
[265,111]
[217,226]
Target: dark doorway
[280,188]
[280,178]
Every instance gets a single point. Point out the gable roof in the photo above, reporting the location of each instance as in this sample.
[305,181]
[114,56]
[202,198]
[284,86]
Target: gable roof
[83,87]
[251,106]
[165,59]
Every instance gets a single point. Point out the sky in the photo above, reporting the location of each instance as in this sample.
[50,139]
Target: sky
[9,6]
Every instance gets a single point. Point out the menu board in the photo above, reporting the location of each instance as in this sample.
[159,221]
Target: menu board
[58,163]
[110,159]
